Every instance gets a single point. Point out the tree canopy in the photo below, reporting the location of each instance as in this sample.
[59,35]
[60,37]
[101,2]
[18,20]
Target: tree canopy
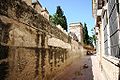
[59,11]
[85,34]
[88,40]
[59,18]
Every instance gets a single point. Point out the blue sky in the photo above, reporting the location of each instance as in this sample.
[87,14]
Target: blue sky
[75,11]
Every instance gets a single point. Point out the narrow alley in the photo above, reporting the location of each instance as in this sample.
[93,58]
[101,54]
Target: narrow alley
[84,68]
[78,41]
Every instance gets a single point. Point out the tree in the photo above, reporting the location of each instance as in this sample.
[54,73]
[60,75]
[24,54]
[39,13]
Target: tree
[65,23]
[59,11]
[94,39]
[93,36]
[91,41]
[88,40]
[85,34]
[59,18]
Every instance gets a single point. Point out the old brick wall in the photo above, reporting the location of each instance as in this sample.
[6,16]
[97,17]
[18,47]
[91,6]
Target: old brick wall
[25,53]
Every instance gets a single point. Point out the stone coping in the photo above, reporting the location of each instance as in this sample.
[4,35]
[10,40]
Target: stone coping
[112,60]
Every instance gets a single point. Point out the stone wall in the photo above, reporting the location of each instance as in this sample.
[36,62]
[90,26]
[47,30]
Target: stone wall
[20,11]
[27,44]
[29,2]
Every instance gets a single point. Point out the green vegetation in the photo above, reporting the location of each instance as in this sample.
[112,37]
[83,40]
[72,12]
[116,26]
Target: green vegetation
[59,18]
[93,37]
[88,40]
[85,34]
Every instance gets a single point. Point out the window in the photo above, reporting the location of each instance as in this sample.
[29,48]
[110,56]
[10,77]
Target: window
[118,5]
[99,4]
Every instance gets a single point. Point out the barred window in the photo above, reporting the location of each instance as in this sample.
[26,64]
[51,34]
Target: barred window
[113,8]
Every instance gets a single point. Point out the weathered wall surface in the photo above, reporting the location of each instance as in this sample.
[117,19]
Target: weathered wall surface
[29,2]
[110,68]
[30,48]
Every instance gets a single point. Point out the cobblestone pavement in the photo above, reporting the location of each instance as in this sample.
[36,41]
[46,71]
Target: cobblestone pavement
[85,68]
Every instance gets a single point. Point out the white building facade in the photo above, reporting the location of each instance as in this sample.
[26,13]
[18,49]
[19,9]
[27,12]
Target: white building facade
[107,28]
[77,29]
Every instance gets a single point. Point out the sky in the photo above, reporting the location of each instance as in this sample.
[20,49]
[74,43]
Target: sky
[75,11]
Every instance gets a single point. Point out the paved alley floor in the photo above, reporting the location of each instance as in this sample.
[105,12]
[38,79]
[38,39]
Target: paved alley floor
[85,68]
